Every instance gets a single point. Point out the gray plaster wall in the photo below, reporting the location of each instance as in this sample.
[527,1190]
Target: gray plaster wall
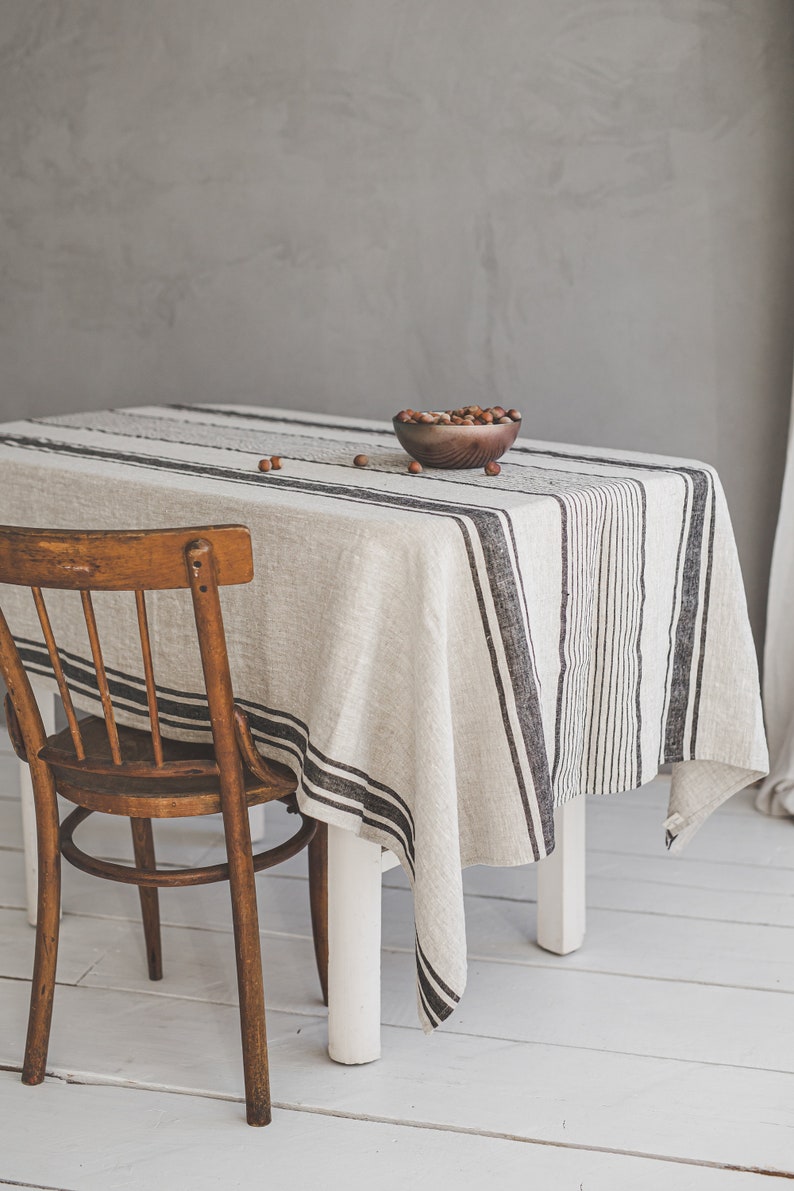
[583,208]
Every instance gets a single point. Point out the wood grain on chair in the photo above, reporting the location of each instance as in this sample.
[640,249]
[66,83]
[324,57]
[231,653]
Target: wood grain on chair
[103,766]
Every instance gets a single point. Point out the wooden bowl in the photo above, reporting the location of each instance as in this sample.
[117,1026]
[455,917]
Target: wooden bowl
[455,446]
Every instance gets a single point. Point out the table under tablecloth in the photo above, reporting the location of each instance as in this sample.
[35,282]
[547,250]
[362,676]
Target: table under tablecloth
[441,658]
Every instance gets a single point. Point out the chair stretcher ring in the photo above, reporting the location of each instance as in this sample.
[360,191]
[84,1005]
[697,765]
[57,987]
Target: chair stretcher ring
[146,878]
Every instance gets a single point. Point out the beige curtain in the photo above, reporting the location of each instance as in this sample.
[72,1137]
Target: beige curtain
[776,796]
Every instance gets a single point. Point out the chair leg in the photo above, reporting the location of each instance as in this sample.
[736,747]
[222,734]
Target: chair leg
[143,844]
[47,930]
[250,986]
[318,898]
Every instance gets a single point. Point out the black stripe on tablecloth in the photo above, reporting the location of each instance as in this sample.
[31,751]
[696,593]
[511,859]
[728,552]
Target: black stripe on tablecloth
[445,989]
[505,596]
[520,574]
[564,601]
[596,508]
[499,572]
[438,999]
[704,623]
[275,419]
[671,630]
[641,617]
[188,710]
[682,687]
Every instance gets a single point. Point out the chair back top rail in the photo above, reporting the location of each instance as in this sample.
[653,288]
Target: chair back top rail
[127,560]
[119,560]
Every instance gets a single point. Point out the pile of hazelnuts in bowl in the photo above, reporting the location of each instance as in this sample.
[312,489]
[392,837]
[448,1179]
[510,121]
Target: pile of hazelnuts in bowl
[467,415]
[467,437]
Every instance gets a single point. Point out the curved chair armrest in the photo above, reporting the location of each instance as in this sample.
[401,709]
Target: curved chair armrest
[275,775]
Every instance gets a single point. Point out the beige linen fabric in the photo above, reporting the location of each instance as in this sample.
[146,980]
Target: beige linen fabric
[440,658]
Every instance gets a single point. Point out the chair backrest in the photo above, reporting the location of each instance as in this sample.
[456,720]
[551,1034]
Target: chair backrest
[202,559]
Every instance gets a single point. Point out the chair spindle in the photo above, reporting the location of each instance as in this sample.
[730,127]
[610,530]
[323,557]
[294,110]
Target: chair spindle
[148,670]
[101,676]
[55,661]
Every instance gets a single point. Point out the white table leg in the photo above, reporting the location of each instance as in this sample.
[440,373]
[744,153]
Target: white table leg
[46,702]
[354,919]
[561,883]
[256,820]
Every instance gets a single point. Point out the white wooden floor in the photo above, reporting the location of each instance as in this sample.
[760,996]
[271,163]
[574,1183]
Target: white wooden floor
[660,1056]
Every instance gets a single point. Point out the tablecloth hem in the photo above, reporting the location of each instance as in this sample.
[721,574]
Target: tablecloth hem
[680,828]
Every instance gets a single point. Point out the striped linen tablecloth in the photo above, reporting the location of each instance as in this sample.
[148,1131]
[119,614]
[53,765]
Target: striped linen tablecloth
[441,658]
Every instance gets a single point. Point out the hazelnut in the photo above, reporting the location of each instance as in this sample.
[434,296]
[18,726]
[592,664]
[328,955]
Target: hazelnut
[505,421]
[264,465]
[492,468]
[361,460]
[414,467]
[275,462]
[464,415]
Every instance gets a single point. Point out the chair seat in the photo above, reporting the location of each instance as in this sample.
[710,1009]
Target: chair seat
[188,782]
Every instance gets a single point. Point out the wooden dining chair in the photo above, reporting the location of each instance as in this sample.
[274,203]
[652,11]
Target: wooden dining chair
[104,766]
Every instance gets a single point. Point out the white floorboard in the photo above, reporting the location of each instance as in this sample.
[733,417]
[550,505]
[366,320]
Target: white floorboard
[658,1056]
[621,1102]
[93,1143]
